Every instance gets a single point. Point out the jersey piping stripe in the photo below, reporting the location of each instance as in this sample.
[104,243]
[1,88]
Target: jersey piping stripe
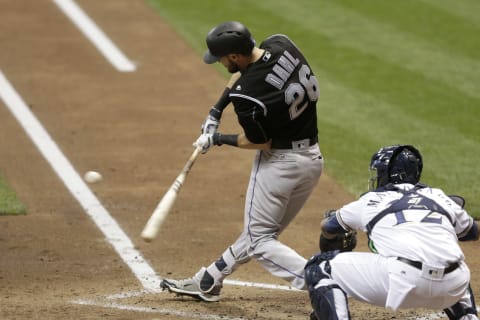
[253,195]
[260,103]
[282,267]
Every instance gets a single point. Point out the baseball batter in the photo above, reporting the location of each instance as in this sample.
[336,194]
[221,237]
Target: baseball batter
[274,92]
[413,231]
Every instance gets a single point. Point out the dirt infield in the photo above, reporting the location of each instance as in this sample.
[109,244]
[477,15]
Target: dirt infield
[136,128]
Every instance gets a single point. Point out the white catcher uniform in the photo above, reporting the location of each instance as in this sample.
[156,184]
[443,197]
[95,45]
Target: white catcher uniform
[419,225]
[416,233]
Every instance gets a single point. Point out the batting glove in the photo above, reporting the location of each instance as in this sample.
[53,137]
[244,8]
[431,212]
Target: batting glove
[204,142]
[210,125]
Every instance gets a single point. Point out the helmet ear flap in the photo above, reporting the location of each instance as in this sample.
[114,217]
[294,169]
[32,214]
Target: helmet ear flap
[419,159]
[405,165]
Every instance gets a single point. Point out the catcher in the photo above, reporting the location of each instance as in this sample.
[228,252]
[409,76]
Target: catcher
[413,231]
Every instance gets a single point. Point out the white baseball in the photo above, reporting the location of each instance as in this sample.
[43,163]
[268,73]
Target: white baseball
[92,177]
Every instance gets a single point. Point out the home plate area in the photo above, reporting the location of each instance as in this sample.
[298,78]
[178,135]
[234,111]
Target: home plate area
[236,307]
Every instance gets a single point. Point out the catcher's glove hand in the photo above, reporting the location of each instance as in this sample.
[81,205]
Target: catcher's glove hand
[345,241]
[458,200]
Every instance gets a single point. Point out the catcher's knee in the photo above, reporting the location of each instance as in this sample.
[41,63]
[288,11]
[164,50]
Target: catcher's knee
[465,309]
[318,267]
[328,300]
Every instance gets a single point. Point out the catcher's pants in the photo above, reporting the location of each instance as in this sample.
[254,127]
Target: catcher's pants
[393,284]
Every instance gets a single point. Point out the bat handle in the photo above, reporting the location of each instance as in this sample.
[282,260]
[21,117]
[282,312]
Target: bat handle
[191,160]
[178,183]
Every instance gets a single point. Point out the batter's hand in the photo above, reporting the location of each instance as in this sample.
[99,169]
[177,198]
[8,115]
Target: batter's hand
[204,142]
[210,125]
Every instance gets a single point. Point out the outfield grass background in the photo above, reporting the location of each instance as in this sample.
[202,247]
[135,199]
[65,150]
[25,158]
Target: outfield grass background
[399,71]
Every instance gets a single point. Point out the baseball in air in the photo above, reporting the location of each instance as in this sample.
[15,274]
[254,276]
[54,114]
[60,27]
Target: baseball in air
[92,177]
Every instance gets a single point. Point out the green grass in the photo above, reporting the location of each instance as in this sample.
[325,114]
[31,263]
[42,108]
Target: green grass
[403,71]
[9,204]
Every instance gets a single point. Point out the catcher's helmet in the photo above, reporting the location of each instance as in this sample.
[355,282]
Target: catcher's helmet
[395,164]
[226,38]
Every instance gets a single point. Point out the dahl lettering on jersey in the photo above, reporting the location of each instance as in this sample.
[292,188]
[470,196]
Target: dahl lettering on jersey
[283,69]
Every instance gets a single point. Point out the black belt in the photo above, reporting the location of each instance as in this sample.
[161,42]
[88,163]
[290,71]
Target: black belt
[418,265]
[291,144]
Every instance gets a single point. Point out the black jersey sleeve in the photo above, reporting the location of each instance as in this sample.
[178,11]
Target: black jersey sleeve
[252,118]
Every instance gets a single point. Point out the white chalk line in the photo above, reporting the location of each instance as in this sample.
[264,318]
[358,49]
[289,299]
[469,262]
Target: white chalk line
[77,187]
[99,39]
[431,316]
[258,285]
[163,311]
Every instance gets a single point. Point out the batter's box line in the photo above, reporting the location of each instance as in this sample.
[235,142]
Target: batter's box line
[109,301]
[431,316]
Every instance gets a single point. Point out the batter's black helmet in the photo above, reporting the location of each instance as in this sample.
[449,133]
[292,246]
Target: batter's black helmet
[395,164]
[226,38]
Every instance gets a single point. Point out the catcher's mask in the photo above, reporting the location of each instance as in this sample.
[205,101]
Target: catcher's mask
[395,164]
[227,38]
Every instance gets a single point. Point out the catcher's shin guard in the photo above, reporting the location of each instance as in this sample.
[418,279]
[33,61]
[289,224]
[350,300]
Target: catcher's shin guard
[465,309]
[328,300]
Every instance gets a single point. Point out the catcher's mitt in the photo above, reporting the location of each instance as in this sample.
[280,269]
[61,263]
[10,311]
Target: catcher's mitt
[458,200]
[345,241]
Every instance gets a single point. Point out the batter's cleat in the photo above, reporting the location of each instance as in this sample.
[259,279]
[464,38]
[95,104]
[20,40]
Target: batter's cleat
[189,287]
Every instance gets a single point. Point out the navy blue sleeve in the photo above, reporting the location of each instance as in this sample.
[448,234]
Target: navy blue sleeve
[332,226]
[472,233]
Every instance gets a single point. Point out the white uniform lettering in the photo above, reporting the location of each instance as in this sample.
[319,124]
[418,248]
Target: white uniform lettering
[282,73]
[287,64]
[274,81]
[282,70]
[295,61]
